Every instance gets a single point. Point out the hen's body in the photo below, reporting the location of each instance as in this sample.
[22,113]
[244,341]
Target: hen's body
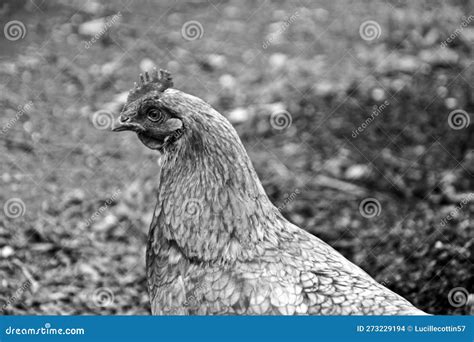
[218,246]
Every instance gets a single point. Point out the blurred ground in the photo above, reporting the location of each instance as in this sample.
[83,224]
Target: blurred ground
[77,200]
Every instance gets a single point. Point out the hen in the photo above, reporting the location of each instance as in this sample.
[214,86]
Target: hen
[217,245]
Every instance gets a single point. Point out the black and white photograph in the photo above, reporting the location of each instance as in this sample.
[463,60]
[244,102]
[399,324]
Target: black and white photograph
[242,158]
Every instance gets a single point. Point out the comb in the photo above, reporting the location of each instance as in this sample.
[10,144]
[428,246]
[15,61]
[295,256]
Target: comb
[154,82]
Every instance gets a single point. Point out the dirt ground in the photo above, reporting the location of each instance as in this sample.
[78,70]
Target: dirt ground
[366,118]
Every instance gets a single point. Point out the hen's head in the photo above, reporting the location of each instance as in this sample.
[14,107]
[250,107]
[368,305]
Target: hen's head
[147,113]
[164,118]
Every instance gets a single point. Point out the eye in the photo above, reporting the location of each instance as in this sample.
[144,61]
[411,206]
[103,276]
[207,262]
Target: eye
[154,115]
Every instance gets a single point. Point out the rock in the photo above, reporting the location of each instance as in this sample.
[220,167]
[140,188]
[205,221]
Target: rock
[6,177]
[439,57]
[217,61]
[321,14]
[238,115]
[431,37]
[7,252]
[108,222]
[227,81]
[408,64]
[73,197]
[357,171]
[324,88]
[451,103]
[147,64]
[468,35]
[442,91]
[109,68]
[92,7]
[378,94]
[277,60]
[91,28]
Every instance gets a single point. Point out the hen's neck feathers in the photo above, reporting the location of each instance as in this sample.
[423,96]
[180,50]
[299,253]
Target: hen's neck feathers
[210,200]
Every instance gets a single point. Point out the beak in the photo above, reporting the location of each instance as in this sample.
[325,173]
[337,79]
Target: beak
[124,124]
